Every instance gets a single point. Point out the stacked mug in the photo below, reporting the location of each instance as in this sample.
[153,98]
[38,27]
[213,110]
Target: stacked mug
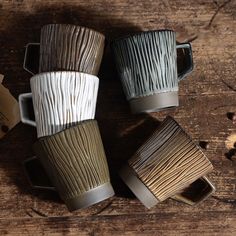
[64,96]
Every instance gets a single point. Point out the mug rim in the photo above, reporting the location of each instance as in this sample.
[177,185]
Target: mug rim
[63,72]
[78,26]
[121,38]
[42,138]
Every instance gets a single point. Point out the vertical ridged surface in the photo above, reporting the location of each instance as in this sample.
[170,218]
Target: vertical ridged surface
[146,63]
[74,159]
[62,99]
[169,161]
[71,48]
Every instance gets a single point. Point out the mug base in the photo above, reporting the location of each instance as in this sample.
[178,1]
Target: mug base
[155,102]
[139,189]
[90,197]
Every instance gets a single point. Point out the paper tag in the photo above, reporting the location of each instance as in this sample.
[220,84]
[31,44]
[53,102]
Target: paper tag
[9,110]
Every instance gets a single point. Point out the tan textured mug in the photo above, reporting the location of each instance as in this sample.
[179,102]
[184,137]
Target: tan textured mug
[75,162]
[66,47]
[60,100]
[166,165]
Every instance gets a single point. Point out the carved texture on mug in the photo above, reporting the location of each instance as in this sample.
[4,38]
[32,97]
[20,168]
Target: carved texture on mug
[69,47]
[169,161]
[147,63]
[62,99]
[76,159]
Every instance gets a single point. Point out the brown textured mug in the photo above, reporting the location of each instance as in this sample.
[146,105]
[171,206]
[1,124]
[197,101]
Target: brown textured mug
[75,162]
[65,47]
[168,164]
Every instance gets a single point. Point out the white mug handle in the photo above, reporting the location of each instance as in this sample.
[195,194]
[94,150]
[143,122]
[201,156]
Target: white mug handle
[25,99]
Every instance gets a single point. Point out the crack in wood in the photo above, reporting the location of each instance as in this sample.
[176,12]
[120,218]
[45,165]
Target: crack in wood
[28,214]
[103,209]
[193,38]
[225,200]
[216,12]
[228,85]
[222,106]
[38,212]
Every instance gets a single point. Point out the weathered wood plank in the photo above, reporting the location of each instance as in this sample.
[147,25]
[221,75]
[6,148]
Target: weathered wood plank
[145,224]
[206,97]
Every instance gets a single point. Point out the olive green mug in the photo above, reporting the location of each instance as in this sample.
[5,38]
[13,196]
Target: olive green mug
[75,162]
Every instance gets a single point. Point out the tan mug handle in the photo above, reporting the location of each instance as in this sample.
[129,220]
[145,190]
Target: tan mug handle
[31,59]
[196,192]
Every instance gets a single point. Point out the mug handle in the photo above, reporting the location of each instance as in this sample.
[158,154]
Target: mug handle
[189,57]
[203,189]
[36,174]
[26,109]
[31,59]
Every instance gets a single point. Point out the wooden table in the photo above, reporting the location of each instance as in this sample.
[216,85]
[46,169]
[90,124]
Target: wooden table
[207,97]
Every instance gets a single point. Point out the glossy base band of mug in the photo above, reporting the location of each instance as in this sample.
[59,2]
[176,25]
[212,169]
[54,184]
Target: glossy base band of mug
[140,190]
[90,197]
[155,102]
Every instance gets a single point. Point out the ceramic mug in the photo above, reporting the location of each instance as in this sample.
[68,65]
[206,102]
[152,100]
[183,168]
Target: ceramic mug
[60,100]
[167,164]
[75,162]
[65,47]
[147,66]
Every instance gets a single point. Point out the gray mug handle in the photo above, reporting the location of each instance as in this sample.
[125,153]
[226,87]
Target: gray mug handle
[205,189]
[31,59]
[189,57]
[26,110]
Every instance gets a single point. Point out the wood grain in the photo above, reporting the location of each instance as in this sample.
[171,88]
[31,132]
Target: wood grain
[206,96]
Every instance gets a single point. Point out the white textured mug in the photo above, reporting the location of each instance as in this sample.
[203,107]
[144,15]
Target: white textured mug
[60,99]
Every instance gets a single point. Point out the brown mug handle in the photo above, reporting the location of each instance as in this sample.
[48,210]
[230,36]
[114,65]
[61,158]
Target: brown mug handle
[196,192]
[31,59]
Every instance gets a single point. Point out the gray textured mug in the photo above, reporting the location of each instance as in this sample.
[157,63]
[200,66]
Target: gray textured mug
[147,65]
[65,47]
